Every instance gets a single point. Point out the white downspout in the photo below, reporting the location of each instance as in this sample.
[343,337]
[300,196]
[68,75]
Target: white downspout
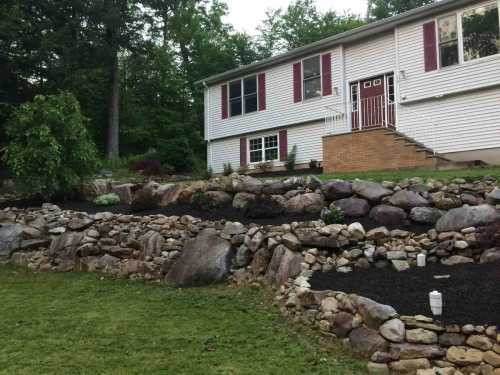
[207,128]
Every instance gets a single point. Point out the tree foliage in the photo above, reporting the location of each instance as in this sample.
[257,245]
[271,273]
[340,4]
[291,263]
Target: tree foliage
[380,9]
[49,149]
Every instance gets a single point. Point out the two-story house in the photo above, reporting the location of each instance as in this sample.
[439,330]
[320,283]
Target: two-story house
[407,91]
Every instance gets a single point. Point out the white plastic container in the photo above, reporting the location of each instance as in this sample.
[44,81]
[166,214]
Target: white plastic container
[436,302]
[421,260]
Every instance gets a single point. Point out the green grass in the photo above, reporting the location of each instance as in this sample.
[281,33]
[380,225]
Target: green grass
[470,174]
[82,324]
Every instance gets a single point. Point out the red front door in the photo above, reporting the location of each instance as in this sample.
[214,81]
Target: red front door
[372,100]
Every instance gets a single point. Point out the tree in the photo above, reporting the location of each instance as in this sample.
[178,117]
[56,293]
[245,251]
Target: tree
[301,24]
[49,149]
[380,9]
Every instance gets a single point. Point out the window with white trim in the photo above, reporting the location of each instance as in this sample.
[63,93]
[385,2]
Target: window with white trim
[263,149]
[469,35]
[235,100]
[312,77]
[250,93]
[481,32]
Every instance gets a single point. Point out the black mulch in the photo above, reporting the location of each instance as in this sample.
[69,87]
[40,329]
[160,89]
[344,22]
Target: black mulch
[227,212]
[471,295]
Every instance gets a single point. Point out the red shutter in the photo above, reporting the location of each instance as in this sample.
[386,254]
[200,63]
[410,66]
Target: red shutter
[430,53]
[326,72]
[224,101]
[283,144]
[262,91]
[243,151]
[297,82]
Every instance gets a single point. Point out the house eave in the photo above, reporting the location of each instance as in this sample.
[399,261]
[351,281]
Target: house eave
[347,37]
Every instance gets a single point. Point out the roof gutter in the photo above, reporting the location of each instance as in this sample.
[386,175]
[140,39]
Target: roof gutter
[347,37]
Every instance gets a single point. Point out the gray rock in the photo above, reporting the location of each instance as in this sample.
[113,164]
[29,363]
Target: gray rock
[342,323]
[374,314]
[421,336]
[372,191]
[309,202]
[352,207]
[467,216]
[457,259]
[243,257]
[151,243]
[291,241]
[413,351]
[494,196]
[217,198]
[284,264]
[388,215]
[408,199]
[124,191]
[409,366]
[247,184]
[204,260]
[337,189]
[233,228]
[10,238]
[393,330]
[366,342]
[265,206]
[490,255]
[451,339]
[426,215]
[400,265]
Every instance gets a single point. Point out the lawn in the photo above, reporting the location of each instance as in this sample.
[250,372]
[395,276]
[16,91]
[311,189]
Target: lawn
[83,324]
[469,173]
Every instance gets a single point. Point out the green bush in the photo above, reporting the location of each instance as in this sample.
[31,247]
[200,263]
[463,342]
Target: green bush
[49,150]
[176,153]
[107,199]
[333,216]
[228,169]
[291,158]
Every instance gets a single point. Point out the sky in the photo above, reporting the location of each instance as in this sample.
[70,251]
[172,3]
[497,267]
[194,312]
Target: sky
[245,15]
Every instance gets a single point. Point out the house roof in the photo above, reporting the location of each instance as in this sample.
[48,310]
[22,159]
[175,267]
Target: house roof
[350,36]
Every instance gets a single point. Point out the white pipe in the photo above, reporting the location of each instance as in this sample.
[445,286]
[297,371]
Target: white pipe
[421,260]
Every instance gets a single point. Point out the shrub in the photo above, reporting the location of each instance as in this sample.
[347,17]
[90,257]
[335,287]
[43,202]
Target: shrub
[291,158]
[147,167]
[228,169]
[313,164]
[176,153]
[332,215]
[49,150]
[207,173]
[107,200]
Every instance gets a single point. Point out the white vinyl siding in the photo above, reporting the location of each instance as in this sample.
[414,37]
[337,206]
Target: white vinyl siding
[280,109]
[416,84]
[459,123]
[307,137]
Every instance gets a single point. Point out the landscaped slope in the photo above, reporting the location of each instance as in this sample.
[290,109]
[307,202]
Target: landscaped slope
[82,324]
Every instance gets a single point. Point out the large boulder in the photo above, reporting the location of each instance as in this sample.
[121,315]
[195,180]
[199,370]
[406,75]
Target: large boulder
[426,215]
[10,238]
[365,342]
[204,260]
[284,264]
[169,193]
[337,189]
[124,192]
[408,199]
[246,184]
[374,314]
[145,198]
[309,202]
[444,201]
[216,199]
[388,215]
[373,191]
[467,216]
[243,200]
[352,207]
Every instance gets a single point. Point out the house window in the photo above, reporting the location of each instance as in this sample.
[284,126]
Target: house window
[263,149]
[312,77]
[481,34]
[235,101]
[354,97]
[390,89]
[448,40]
[250,93]
[367,84]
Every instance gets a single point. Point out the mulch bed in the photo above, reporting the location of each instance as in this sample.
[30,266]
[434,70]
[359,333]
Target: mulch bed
[471,295]
[226,212]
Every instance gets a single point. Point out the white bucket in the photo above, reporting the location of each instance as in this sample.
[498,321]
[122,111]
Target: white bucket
[436,302]
[421,260]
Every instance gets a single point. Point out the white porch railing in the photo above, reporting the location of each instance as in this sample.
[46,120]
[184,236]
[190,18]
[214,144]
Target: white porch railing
[378,112]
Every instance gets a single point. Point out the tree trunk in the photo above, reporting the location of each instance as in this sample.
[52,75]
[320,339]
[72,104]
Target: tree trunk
[113,146]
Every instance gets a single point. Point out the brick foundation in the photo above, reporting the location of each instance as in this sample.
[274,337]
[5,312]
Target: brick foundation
[370,150]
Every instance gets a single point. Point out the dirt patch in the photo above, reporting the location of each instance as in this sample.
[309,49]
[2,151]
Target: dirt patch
[471,294]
